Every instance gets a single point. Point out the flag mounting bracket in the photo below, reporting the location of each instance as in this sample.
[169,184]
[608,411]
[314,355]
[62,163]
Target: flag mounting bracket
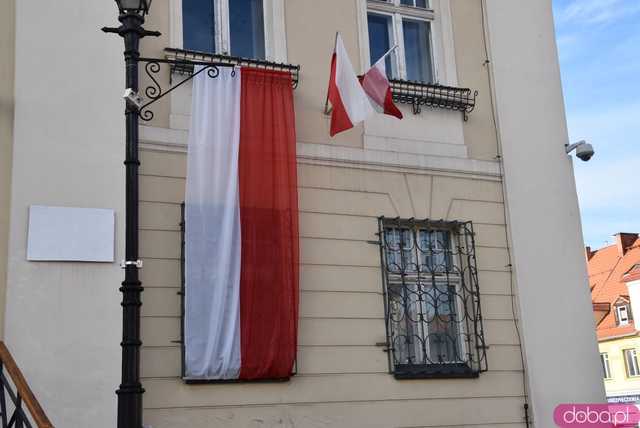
[183,62]
[136,263]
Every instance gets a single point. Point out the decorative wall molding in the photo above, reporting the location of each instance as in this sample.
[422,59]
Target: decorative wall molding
[173,140]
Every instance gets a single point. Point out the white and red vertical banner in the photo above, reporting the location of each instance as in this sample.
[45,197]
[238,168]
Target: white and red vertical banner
[241,227]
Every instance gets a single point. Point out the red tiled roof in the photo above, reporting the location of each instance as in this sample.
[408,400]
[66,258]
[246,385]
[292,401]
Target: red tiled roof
[632,274]
[607,271]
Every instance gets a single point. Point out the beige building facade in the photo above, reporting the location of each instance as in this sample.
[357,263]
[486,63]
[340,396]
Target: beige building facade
[503,168]
[7,50]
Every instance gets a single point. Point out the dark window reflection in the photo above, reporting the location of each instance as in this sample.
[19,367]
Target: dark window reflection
[246,19]
[379,39]
[197,25]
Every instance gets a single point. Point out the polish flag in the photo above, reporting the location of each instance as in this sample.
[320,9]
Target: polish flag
[241,227]
[348,99]
[376,85]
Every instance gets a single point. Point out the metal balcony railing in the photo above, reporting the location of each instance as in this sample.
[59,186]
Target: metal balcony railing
[12,413]
[436,96]
[183,62]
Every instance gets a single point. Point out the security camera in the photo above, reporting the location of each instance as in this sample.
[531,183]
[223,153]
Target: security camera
[584,150]
[132,98]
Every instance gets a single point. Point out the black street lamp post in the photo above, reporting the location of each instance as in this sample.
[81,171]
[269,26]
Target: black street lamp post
[132,13]
[131,17]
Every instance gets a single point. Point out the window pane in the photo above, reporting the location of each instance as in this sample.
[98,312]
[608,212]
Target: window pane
[407,330]
[400,250]
[246,22]
[380,39]
[631,362]
[392,243]
[197,25]
[605,365]
[435,251]
[622,315]
[416,3]
[408,260]
[441,312]
[417,51]
[443,254]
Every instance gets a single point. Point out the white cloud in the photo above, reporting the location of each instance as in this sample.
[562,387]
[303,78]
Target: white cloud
[613,129]
[609,179]
[592,12]
[609,197]
[609,185]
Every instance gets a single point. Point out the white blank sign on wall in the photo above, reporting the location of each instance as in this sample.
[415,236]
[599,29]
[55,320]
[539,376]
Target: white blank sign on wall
[70,234]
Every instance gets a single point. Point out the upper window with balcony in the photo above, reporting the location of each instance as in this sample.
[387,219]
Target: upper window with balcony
[224,26]
[406,24]
[251,29]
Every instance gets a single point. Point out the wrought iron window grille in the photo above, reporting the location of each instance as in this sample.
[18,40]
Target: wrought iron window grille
[181,342]
[431,299]
[183,62]
[436,96]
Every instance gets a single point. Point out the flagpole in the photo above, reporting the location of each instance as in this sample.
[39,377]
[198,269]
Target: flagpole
[326,102]
[387,53]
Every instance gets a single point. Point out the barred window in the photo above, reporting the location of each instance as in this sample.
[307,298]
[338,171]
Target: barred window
[432,301]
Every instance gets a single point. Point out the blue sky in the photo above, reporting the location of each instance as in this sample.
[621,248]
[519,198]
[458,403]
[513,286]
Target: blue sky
[599,48]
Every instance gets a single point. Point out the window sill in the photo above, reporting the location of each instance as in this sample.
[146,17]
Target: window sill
[420,94]
[434,371]
[192,381]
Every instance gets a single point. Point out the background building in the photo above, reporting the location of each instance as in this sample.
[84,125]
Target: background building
[613,278]
[504,169]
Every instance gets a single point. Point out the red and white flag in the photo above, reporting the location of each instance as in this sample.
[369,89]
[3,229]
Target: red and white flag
[376,85]
[349,102]
[241,227]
